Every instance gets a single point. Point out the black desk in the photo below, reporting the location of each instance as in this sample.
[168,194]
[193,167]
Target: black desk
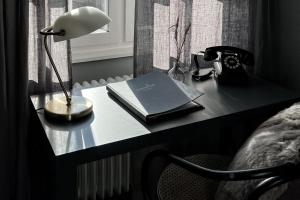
[112,130]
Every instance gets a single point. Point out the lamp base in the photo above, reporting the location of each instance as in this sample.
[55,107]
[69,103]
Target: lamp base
[58,110]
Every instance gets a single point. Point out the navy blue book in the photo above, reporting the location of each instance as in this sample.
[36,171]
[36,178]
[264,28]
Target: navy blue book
[154,95]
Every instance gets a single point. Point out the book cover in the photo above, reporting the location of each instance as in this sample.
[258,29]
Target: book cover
[153,94]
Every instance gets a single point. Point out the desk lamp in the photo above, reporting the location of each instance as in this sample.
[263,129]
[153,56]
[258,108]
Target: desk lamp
[73,24]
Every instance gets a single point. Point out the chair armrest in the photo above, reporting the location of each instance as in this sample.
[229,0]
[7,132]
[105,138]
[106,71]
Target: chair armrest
[277,173]
[231,175]
[268,184]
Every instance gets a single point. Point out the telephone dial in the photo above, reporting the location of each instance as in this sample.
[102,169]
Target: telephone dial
[228,64]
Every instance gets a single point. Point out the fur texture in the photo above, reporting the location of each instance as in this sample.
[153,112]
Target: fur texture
[275,142]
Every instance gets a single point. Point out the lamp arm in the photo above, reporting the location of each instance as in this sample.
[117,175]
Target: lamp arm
[44,32]
[49,31]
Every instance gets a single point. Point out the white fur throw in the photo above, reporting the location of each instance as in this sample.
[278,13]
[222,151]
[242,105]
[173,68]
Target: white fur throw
[275,142]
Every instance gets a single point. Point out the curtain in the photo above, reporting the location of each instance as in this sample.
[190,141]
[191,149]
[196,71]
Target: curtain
[13,99]
[22,58]
[267,40]
[213,22]
[42,78]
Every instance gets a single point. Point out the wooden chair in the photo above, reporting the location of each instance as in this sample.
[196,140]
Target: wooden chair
[207,177]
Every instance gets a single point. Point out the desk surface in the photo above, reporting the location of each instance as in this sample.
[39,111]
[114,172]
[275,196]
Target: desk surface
[111,129]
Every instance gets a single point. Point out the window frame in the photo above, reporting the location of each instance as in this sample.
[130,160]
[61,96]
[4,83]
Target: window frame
[114,43]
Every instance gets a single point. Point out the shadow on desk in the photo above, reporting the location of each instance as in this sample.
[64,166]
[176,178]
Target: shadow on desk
[42,160]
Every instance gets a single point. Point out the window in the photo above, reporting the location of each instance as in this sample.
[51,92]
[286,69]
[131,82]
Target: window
[112,41]
[101,4]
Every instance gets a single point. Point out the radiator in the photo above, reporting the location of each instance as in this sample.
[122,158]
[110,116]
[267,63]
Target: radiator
[101,82]
[105,178]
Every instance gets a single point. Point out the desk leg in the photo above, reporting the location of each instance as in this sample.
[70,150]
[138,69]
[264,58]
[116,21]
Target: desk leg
[65,187]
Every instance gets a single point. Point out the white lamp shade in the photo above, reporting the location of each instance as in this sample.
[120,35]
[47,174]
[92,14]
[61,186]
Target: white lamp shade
[79,22]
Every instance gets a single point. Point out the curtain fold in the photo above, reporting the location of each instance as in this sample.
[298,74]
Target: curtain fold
[22,58]
[267,35]
[213,22]
[42,78]
[13,99]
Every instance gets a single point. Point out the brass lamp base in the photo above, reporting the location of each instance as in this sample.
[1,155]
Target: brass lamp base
[58,110]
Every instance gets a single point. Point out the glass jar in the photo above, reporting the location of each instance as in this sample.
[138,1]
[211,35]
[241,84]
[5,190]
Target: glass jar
[176,72]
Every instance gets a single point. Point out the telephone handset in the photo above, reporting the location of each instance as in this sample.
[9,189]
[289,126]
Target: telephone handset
[228,65]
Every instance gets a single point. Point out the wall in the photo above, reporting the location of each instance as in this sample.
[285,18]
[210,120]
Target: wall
[289,38]
[102,69]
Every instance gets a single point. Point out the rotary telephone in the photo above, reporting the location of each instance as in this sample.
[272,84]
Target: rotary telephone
[228,64]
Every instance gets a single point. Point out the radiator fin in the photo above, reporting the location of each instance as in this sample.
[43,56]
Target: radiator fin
[108,177]
[100,82]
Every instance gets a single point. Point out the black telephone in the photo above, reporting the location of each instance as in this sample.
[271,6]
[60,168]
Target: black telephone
[228,65]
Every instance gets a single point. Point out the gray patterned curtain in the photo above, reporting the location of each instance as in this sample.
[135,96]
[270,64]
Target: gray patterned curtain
[41,75]
[213,22]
